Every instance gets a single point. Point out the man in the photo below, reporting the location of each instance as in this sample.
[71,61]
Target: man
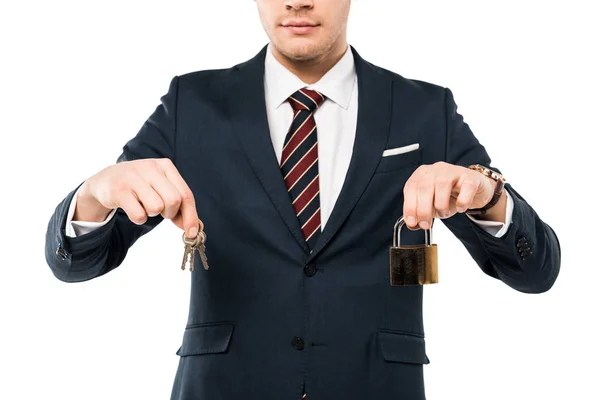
[297,300]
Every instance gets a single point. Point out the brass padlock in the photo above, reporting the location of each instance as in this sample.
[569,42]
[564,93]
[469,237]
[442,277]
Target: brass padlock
[415,264]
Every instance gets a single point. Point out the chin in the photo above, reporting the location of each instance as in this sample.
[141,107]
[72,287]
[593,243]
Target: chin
[302,49]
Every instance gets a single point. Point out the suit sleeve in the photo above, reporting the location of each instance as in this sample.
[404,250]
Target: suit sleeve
[506,257]
[81,258]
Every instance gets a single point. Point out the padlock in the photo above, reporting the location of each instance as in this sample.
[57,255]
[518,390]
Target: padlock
[415,264]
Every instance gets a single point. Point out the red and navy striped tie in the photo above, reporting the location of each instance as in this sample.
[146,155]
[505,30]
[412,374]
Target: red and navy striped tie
[300,165]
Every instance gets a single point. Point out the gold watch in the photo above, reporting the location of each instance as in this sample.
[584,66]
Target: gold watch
[500,181]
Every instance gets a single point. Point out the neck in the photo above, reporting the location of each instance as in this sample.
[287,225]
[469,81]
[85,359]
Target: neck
[311,71]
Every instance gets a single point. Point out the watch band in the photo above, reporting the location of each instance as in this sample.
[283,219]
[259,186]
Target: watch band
[500,181]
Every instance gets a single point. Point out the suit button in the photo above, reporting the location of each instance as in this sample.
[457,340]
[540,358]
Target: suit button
[61,253]
[298,343]
[310,269]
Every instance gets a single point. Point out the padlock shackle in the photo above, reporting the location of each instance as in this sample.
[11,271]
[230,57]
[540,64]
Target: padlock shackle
[398,227]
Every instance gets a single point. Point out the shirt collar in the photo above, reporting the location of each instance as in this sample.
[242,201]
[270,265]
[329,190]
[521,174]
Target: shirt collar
[336,85]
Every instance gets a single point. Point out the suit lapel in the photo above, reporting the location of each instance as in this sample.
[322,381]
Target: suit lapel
[248,116]
[374,113]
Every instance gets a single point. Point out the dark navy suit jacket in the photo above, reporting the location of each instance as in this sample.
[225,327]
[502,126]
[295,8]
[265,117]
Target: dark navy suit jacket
[269,318]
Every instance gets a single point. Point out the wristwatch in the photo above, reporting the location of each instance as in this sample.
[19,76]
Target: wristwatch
[500,181]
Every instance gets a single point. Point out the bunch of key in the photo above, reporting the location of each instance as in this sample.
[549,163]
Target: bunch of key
[191,245]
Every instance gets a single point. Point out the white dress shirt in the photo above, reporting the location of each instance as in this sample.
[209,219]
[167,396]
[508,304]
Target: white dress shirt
[336,121]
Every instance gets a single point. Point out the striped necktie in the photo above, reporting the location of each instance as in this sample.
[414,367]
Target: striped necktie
[299,163]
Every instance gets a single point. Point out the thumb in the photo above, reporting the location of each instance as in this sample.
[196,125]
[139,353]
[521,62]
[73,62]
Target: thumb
[192,230]
[178,221]
[191,222]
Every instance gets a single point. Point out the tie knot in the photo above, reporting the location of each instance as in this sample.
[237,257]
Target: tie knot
[306,99]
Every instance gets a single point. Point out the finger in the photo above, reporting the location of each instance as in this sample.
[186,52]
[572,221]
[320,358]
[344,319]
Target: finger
[425,195]
[442,195]
[188,203]
[410,203]
[166,190]
[468,189]
[129,202]
[146,195]
[178,221]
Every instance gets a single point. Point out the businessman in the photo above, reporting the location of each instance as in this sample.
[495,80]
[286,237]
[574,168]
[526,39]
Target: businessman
[297,163]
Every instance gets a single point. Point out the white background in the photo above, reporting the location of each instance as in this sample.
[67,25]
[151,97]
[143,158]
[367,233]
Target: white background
[78,79]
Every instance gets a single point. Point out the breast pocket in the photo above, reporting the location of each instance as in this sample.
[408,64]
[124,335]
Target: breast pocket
[401,161]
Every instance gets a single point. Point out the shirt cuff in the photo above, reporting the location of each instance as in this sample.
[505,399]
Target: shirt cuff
[79,228]
[496,228]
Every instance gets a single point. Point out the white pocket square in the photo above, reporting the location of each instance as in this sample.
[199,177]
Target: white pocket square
[400,150]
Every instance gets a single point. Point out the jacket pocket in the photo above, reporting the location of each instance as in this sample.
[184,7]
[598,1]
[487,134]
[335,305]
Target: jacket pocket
[206,339]
[411,159]
[402,347]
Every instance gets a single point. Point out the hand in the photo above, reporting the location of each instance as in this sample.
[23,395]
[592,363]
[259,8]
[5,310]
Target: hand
[441,190]
[142,188]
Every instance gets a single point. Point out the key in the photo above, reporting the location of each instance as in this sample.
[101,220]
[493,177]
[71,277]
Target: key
[188,252]
[202,248]
[191,245]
